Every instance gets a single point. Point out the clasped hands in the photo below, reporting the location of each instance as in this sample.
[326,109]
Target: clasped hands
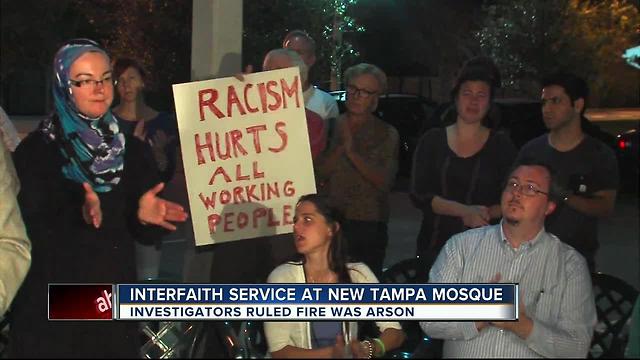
[521,327]
[152,209]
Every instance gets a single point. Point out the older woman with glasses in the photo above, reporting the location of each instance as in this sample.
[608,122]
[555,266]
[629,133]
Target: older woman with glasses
[358,171]
[88,192]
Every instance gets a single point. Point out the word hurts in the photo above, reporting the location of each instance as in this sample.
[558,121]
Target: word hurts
[214,146]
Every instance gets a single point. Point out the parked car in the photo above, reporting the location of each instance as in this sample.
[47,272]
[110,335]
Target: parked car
[628,154]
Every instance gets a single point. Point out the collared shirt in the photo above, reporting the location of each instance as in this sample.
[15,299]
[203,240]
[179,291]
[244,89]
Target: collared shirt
[555,287]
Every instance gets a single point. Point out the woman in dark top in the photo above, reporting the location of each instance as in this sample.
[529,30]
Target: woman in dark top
[87,191]
[458,170]
[136,117]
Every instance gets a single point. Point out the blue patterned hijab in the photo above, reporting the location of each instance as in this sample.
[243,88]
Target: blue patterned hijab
[93,147]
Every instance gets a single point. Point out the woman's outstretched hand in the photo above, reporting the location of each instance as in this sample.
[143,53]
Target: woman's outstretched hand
[247,70]
[158,211]
[91,212]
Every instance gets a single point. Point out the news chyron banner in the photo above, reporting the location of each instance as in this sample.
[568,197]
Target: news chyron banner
[246,154]
[81,301]
[286,302]
[306,302]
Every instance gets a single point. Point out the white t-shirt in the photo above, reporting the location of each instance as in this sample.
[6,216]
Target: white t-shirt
[321,103]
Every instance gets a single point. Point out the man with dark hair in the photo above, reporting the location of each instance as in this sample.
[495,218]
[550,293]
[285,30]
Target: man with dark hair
[315,99]
[556,313]
[587,168]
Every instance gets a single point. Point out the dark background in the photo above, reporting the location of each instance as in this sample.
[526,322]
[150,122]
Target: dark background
[419,43]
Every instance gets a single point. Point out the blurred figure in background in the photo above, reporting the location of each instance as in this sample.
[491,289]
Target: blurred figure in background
[458,169]
[135,117]
[315,99]
[281,59]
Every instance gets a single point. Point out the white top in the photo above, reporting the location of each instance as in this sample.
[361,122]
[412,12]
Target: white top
[298,334]
[321,103]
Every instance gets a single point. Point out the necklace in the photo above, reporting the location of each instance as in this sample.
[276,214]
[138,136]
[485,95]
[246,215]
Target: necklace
[328,277]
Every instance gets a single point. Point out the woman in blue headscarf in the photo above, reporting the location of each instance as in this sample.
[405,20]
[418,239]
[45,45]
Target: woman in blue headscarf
[87,193]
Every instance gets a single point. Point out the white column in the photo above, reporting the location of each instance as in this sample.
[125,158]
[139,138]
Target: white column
[216,38]
[216,51]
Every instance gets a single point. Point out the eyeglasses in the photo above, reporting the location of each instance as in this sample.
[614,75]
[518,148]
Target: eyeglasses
[524,189]
[355,91]
[90,83]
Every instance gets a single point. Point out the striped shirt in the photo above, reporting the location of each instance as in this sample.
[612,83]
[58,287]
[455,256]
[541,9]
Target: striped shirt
[555,287]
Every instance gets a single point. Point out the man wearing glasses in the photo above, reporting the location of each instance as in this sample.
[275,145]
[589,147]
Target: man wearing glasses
[587,168]
[556,310]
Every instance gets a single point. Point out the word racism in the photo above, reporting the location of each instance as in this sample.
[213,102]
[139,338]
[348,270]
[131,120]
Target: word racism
[248,140]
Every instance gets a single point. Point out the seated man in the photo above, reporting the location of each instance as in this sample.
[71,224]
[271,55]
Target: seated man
[556,311]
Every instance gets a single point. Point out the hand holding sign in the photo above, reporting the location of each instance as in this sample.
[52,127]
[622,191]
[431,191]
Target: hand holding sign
[155,210]
[247,70]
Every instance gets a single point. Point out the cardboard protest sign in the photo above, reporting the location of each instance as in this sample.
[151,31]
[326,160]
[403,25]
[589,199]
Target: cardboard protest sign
[246,154]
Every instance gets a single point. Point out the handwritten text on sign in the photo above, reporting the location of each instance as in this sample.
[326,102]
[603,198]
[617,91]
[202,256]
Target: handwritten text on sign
[246,154]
